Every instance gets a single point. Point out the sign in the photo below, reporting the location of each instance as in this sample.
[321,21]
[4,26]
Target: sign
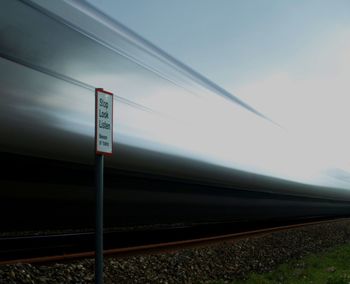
[104,122]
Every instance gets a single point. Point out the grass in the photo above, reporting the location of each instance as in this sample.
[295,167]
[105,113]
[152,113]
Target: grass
[331,267]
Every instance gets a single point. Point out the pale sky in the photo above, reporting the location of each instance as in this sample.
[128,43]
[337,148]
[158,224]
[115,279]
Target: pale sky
[288,59]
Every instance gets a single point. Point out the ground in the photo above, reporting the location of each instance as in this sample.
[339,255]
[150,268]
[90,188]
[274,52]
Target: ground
[331,267]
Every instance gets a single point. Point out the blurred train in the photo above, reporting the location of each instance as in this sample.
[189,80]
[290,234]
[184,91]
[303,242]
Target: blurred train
[53,54]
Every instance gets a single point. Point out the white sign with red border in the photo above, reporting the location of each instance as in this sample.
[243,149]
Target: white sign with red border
[104,122]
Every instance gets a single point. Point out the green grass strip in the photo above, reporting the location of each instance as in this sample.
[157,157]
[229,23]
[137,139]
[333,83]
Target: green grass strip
[331,267]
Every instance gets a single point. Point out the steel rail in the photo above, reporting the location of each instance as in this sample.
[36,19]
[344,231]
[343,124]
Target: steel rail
[167,246]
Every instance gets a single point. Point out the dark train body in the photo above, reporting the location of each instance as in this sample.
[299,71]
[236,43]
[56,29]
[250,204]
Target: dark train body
[52,57]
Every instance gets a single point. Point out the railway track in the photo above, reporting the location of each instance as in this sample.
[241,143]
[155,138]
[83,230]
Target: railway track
[66,247]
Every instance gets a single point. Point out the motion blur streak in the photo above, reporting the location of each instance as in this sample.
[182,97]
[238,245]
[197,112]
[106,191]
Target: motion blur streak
[59,57]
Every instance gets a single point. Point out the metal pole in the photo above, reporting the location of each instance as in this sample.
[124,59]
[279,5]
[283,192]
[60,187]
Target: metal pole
[99,220]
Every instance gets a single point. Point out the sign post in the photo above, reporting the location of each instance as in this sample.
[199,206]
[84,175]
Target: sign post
[103,147]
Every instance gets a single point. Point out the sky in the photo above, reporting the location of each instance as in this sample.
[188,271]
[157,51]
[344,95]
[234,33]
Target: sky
[290,60]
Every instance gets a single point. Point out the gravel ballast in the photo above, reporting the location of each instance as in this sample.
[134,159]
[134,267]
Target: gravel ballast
[225,261]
